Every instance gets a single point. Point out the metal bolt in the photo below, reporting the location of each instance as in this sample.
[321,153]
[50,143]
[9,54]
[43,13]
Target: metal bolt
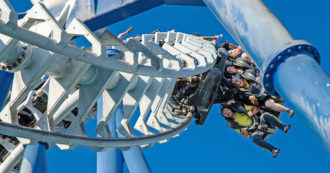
[19,60]
[14,64]
[9,67]
[279,58]
[24,47]
[289,51]
[299,48]
[272,66]
[3,67]
[267,76]
[309,48]
[22,54]
[267,86]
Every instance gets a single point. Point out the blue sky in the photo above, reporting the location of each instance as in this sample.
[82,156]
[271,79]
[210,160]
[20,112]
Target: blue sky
[213,147]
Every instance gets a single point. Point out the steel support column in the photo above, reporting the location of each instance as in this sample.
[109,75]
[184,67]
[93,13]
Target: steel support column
[134,157]
[111,160]
[289,67]
[302,80]
[34,160]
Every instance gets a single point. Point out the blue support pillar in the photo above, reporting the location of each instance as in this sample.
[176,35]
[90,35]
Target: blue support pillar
[6,80]
[288,67]
[135,161]
[34,160]
[134,157]
[111,160]
[302,80]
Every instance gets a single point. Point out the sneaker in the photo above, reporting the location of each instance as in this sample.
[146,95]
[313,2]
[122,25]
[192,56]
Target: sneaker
[286,128]
[291,113]
[275,152]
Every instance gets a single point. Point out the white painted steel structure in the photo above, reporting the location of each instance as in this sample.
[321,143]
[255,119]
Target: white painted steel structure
[142,74]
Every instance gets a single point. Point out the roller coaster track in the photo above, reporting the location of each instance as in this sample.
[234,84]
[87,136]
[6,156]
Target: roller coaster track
[141,72]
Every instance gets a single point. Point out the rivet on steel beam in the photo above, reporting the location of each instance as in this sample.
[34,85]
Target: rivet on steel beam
[272,66]
[9,67]
[267,76]
[309,48]
[19,60]
[289,51]
[299,48]
[22,54]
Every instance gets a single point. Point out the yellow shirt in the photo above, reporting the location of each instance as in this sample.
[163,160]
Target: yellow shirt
[243,119]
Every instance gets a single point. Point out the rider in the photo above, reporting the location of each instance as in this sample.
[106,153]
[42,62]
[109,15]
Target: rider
[258,95]
[246,122]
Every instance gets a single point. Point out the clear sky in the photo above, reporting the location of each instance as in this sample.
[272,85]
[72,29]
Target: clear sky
[213,147]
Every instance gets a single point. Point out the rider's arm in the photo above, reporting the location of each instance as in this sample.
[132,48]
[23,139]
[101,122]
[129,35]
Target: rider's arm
[253,99]
[252,110]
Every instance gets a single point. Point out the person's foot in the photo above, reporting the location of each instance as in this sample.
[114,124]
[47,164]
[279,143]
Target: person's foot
[286,128]
[129,29]
[291,113]
[275,152]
